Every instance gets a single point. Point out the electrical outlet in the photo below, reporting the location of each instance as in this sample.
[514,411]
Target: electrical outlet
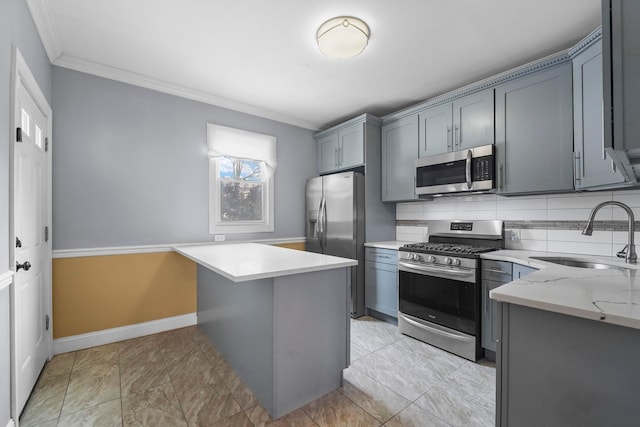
[515,235]
[219,238]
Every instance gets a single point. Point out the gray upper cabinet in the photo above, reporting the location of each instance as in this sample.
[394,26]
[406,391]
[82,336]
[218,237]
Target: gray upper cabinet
[621,57]
[592,168]
[351,146]
[473,120]
[342,147]
[534,132]
[436,128]
[327,152]
[399,154]
[464,123]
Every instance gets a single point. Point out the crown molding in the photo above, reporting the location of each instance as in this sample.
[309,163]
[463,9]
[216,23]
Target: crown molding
[593,37]
[124,76]
[490,82]
[43,19]
[45,25]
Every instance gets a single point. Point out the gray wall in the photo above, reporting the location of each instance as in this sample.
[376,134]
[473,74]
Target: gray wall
[16,29]
[130,165]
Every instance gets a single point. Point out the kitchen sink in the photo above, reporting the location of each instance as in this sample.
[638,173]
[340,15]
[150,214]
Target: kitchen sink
[581,263]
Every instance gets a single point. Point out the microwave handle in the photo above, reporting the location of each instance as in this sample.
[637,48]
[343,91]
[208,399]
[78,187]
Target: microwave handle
[468,169]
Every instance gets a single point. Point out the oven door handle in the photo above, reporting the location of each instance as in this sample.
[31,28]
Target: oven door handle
[436,330]
[425,269]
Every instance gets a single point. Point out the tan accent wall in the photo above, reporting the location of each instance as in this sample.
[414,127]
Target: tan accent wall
[101,292]
[295,245]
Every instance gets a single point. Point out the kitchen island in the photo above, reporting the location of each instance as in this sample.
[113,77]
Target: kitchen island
[568,339]
[280,317]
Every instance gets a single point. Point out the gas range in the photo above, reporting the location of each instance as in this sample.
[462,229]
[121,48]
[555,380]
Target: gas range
[439,284]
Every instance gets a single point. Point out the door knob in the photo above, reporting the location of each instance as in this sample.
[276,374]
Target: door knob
[25,265]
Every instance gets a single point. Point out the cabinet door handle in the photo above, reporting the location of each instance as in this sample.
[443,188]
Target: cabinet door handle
[577,175]
[340,155]
[486,297]
[457,141]
[449,140]
[501,177]
[335,157]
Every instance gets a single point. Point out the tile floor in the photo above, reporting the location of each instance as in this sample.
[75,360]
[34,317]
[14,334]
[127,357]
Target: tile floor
[177,378]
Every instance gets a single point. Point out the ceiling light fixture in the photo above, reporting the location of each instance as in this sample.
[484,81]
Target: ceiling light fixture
[342,37]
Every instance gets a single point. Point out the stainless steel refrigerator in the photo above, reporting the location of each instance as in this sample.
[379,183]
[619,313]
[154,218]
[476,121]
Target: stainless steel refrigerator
[335,224]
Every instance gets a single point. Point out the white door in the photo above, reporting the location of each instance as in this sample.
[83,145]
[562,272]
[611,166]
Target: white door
[31,253]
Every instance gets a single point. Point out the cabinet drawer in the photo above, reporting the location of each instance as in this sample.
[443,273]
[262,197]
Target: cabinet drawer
[499,271]
[384,256]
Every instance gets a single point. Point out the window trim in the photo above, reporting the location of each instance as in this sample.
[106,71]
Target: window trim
[217,227]
[223,141]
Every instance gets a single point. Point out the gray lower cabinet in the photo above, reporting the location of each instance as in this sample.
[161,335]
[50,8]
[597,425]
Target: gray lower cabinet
[399,154]
[494,274]
[558,370]
[534,132]
[381,278]
[592,168]
[521,271]
[464,123]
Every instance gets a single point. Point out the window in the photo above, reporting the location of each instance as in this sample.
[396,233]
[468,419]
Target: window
[241,168]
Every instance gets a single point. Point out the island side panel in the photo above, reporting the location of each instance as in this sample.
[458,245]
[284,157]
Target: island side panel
[238,319]
[312,326]
[560,370]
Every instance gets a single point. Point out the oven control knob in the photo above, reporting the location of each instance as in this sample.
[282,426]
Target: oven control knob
[431,258]
[456,262]
[417,257]
[448,261]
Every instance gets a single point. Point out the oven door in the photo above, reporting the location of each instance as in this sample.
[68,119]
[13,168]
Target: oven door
[444,301]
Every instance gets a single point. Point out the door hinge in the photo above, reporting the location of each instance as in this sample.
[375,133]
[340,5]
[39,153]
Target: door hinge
[46,144]
[18,243]
[46,322]
[46,233]
[18,134]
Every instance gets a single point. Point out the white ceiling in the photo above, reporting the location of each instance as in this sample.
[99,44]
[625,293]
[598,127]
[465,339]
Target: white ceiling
[260,56]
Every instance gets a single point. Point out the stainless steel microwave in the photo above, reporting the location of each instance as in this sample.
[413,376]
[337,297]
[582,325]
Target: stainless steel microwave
[458,171]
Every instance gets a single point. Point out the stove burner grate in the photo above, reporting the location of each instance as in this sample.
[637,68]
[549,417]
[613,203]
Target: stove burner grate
[447,248]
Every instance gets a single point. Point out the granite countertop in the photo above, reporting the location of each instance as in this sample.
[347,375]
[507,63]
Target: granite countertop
[390,244]
[606,295]
[240,262]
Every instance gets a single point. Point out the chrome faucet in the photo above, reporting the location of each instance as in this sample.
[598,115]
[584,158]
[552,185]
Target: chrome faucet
[629,251]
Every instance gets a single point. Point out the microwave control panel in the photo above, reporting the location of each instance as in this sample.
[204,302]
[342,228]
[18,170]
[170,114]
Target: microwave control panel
[483,168]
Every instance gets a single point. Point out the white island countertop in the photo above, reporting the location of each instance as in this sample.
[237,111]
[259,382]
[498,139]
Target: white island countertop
[606,295]
[240,262]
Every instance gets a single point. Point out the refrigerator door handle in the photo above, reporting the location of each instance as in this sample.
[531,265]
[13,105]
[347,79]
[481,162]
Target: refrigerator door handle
[317,226]
[321,224]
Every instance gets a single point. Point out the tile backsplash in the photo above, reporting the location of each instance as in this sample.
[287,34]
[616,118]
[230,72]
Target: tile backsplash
[539,223]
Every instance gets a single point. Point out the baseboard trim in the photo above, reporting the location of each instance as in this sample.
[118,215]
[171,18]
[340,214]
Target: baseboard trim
[108,336]
[6,279]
